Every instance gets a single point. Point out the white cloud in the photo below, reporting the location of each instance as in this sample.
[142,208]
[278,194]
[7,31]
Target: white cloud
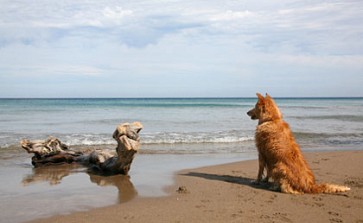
[116,13]
[226,42]
[58,70]
[231,15]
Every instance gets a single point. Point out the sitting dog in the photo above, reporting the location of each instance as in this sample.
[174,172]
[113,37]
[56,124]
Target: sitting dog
[280,155]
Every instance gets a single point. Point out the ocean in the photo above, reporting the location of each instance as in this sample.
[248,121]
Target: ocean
[179,133]
[175,125]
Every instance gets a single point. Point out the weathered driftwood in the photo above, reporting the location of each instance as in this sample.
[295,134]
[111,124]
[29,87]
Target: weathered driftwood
[49,151]
[53,151]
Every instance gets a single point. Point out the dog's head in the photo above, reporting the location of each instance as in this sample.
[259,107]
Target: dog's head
[128,135]
[265,109]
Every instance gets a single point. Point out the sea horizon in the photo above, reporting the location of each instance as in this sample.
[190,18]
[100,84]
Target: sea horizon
[194,97]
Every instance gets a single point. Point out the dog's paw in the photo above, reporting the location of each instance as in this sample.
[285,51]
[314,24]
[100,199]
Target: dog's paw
[256,182]
[275,187]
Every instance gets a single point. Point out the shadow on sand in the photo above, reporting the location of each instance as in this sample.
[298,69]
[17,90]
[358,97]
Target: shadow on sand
[231,179]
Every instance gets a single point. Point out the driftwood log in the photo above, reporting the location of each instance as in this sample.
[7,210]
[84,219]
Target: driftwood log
[52,151]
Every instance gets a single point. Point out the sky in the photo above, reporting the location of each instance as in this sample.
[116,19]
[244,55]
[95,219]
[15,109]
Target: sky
[188,48]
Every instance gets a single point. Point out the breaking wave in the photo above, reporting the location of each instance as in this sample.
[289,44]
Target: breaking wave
[160,138]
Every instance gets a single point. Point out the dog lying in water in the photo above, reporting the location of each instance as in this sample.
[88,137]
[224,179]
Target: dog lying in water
[53,151]
[280,155]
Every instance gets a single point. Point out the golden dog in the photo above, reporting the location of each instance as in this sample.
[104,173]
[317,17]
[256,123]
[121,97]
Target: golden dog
[280,155]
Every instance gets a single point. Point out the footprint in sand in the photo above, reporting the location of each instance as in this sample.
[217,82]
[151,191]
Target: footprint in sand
[282,217]
[335,219]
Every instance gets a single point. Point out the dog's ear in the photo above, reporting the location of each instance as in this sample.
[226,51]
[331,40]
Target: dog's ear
[269,99]
[261,102]
[260,97]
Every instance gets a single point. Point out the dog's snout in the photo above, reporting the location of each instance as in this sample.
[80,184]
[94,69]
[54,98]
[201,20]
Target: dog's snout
[252,114]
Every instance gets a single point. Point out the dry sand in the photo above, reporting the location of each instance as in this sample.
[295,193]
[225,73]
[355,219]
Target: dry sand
[225,193]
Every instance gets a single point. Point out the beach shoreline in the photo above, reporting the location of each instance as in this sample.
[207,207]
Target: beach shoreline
[225,193]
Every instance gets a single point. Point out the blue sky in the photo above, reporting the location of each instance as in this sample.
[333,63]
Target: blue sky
[180,48]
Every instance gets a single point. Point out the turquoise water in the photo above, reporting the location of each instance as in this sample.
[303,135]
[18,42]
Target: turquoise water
[171,125]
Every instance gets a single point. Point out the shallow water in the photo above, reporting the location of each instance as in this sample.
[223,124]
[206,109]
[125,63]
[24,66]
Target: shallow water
[29,193]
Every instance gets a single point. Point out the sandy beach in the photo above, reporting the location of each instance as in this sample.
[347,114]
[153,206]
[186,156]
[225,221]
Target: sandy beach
[225,193]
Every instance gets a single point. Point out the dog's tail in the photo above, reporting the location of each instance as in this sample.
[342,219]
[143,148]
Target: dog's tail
[329,188]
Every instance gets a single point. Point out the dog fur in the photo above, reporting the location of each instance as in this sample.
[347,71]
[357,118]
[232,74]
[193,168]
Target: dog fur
[280,155]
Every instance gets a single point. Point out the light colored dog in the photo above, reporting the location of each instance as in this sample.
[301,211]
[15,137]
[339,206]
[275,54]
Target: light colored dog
[280,155]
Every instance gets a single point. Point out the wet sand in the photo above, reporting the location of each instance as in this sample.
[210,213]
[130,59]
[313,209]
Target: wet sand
[28,193]
[225,193]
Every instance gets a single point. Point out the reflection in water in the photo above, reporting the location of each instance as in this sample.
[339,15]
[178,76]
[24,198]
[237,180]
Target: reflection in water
[52,174]
[126,190]
[55,173]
